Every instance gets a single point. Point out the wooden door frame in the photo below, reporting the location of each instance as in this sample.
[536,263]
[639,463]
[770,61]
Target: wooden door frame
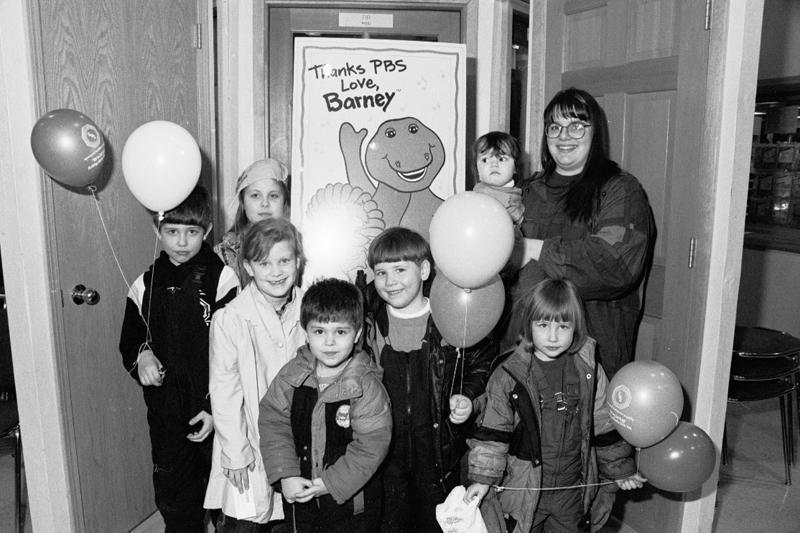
[242,40]
[33,318]
[30,272]
[729,103]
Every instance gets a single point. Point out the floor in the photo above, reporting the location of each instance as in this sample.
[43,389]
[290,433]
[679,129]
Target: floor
[751,497]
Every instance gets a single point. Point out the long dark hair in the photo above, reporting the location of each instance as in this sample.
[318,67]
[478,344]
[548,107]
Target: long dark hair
[583,196]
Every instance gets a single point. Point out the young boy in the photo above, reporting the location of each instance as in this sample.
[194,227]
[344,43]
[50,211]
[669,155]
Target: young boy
[164,345]
[431,385]
[325,422]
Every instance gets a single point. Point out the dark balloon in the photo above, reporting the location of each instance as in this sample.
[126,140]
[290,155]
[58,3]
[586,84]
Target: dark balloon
[69,147]
[680,463]
[465,316]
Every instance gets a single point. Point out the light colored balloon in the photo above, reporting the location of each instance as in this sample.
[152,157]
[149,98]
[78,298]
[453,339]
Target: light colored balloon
[161,164]
[472,237]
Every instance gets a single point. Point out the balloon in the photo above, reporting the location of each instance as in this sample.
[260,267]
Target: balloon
[645,401]
[472,237]
[161,164]
[69,147]
[481,307]
[681,462]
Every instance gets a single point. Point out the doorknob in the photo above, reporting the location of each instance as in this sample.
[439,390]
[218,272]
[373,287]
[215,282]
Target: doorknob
[81,294]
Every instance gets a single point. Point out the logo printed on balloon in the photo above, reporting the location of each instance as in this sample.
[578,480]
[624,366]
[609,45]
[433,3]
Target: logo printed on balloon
[68,146]
[621,397]
[644,402]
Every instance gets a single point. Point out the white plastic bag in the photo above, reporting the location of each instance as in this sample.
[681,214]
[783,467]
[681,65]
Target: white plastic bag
[455,516]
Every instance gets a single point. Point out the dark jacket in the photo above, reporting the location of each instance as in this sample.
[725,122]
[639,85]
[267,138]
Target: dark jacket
[449,374]
[606,257]
[491,460]
[177,302]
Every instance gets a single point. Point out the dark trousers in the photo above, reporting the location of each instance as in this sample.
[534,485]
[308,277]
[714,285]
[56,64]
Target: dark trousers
[311,517]
[180,487]
[410,497]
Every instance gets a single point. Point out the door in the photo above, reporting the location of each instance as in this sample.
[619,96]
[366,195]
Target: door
[646,62]
[286,23]
[121,63]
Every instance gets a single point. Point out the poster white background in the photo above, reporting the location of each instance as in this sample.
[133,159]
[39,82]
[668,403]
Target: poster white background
[366,83]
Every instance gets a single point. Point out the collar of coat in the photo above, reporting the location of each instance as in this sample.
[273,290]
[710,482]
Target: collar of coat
[518,364]
[348,383]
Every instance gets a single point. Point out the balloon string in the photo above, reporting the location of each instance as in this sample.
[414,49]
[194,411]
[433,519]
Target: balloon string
[500,488]
[148,336]
[92,189]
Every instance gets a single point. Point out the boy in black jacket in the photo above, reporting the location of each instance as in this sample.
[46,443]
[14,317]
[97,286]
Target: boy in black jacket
[432,385]
[164,346]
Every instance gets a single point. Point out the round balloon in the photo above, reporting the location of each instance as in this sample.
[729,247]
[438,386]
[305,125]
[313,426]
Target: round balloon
[465,316]
[472,237]
[69,147]
[645,402]
[161,164]
[681,462]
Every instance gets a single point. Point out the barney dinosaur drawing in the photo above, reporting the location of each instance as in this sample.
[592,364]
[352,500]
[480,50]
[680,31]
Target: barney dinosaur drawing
[404,156]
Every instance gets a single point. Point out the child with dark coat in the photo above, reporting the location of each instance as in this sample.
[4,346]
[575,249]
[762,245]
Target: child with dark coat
[433,386]
[164,346]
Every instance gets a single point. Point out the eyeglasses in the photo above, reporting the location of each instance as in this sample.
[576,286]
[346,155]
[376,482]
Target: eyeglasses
[576,130]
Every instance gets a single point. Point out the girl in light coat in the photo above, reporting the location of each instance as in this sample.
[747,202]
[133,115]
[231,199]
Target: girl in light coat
[257,334]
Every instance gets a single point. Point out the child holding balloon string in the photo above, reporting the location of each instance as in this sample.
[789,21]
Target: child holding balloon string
[164,346]
[262,191]
[251,339]
[534,437]
[432,384]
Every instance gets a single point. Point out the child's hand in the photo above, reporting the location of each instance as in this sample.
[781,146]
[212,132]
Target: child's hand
[460,408]
[316,490]
[291,487]
[239,477]
[205,430]
[476,490]
[150,370]
[635,481]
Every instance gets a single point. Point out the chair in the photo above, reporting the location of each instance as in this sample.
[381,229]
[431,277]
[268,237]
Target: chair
[10,441]
[766,365]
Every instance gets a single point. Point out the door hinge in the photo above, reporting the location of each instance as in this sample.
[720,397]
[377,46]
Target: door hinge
[198,36]
[692,250]
[707,20]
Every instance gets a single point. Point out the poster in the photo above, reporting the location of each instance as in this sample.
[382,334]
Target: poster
[377,141]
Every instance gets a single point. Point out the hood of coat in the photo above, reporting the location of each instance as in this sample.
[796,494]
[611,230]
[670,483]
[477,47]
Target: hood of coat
[347,385]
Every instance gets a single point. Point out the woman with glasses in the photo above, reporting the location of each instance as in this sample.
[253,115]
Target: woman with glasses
[588,221]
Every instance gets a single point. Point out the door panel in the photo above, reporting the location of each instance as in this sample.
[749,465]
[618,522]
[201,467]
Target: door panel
[287,23]
[121,63]
[646,61]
